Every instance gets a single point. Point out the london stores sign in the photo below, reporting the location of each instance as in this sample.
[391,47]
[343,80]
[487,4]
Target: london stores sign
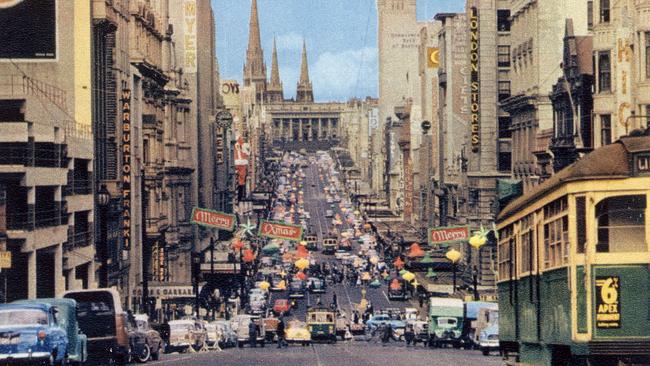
[475,97]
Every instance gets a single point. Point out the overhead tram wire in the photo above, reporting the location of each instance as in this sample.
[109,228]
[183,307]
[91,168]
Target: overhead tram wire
[365,40]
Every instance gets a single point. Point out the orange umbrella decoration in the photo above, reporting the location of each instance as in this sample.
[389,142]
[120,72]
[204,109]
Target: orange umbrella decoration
[237,244]
[416,251]
[395,285]
[301,276]
[249,256]
[398,263]
[367,226]
[302,252]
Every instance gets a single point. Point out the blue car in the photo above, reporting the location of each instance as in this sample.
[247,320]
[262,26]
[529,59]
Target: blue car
[30,333]
[382,319]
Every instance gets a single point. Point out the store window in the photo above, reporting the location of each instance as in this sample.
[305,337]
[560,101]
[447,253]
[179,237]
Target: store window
[621,224]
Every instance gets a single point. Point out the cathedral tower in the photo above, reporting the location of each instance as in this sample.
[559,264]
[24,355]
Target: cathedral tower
[274,92]
[304,92]
[255,68]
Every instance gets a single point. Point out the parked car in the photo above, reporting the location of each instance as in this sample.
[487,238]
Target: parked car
[30,333]
[281,307]
[184,334]
[240,326]
[489,339]
[101,319]
[66,315]
[382,319]
[139,349]
[228,335]
[154,339]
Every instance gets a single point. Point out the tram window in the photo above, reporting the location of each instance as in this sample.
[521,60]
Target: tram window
[621,224]
[581,223]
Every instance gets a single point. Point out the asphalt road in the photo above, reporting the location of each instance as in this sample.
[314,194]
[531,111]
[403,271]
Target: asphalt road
[341,354]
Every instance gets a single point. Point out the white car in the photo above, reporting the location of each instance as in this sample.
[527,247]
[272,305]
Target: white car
[342,254]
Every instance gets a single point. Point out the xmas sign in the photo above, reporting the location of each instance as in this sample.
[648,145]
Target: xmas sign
[450,234]
[214,219]
[278,230]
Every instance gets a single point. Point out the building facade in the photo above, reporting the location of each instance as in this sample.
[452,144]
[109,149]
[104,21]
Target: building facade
[46,155]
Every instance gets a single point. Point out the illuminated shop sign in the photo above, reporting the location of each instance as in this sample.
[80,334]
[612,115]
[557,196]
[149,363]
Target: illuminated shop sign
[126,168]
[475,97]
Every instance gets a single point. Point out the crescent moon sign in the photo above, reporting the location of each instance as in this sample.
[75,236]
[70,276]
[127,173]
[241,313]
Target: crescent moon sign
[434,57]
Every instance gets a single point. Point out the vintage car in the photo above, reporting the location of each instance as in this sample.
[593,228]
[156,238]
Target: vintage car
[184,334]
[154,339]
[489,339]
[256,305]
[316,285]
[240,324]
[383,319]
[228,337]
[297,289]
[297,332]
[322,324]
[66,315]
[101,319]
[213,334]
[31,334]
[281,306]
[139,349]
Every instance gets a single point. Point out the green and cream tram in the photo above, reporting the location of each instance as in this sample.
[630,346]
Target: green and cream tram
[574,263]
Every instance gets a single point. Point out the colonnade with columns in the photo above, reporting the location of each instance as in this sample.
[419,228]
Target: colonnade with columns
[305,129]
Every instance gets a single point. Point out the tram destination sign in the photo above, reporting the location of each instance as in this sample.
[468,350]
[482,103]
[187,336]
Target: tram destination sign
[608,302]
[449,234]
[213,219]
[279,230]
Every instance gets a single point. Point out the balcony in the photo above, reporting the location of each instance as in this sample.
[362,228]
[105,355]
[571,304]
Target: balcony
[78,185]
[78,238]
[33,154]
[31,220]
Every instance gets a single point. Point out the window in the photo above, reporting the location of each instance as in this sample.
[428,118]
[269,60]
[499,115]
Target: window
[503,55]
[556,233]
[590,14]
[581,223]
[506,244]
[504,128]
[604,72]
[621,224]
[647,54]
[503,20]
[527,246]
[605,129]
[505,162]
[145,151]
[604,11]
[504,90]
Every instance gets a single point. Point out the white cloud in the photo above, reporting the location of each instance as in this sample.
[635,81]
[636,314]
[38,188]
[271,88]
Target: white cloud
[345,74]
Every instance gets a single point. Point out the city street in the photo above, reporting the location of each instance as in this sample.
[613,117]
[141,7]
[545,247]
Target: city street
[342,354]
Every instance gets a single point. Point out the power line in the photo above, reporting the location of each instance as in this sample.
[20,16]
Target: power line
[365,39]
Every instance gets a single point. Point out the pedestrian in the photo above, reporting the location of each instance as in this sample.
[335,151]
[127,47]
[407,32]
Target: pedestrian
[409,335]
[252,334]
[371,310]
[334,300]
[280,333]
[421,299]
[388,333]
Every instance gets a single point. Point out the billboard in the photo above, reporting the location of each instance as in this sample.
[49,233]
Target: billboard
[28,29]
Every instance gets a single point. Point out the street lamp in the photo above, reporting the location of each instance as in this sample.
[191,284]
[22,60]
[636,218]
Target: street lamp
[454,256]
[103,201]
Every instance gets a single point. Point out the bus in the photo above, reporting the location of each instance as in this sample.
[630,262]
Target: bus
[573,255]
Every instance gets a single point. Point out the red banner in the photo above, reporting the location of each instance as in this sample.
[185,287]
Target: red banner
[214,219]
[278,230]
[450,234]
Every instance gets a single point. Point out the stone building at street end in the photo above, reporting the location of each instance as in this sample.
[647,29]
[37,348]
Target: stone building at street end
[46,154]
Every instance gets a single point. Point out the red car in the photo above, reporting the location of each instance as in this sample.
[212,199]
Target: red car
[281,306]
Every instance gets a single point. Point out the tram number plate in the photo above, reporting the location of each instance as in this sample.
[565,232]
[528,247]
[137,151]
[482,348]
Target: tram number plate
[608,302]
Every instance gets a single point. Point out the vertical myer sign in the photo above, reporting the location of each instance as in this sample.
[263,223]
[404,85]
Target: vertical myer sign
[475,83]
[189,20]
[126,168]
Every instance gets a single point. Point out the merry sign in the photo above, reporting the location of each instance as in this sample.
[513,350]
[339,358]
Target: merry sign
[214,219]
[448,234]
[278,230]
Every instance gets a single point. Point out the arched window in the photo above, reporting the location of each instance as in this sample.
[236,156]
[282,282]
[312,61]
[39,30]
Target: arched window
[621,224]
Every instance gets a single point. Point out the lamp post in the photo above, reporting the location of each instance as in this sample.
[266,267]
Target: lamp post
[454,256]
[103,201]
[475,282]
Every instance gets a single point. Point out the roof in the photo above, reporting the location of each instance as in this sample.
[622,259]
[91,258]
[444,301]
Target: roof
[445,301]
[607,162]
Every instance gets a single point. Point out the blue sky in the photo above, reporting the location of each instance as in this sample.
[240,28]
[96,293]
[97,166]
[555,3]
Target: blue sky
[341,40]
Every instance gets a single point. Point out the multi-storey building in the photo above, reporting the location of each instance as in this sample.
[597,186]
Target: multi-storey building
[621,56]
[46,154]
[536,47]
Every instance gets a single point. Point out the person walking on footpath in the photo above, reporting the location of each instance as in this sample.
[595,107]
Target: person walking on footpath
[409,335]
[281,334]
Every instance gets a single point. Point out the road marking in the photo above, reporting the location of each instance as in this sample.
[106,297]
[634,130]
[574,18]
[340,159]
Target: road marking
[383,292]
[168,361]
[318,360]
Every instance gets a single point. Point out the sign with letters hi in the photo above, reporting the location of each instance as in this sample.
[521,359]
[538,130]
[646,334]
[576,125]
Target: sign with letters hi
[277,230]
[213,219]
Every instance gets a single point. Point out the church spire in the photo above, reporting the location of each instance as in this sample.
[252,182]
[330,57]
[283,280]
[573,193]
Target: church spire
[255,68]
[305,92]
[274,89]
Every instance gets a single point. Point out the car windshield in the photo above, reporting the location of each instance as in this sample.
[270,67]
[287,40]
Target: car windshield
[18,317]
[447,322]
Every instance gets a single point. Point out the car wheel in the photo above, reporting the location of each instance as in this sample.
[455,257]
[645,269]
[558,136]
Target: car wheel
[49,361]
[144,354]
[240,344]
[156,355]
